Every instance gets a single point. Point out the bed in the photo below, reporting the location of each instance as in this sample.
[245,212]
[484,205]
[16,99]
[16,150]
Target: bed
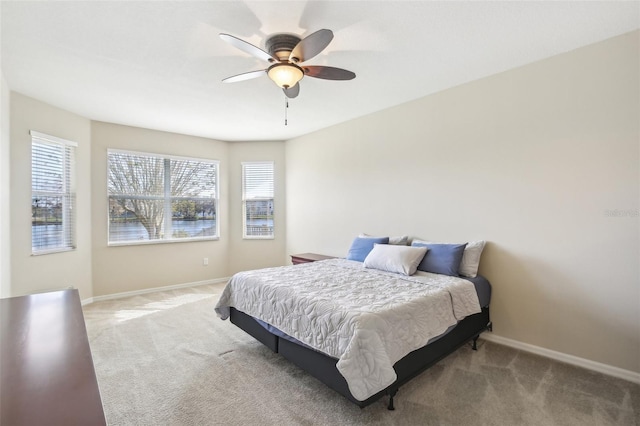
[362,331]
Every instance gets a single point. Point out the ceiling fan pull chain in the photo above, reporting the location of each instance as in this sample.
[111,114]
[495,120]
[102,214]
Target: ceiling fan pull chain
[286,107]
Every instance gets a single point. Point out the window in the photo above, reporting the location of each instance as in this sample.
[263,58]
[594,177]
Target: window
[154,198]
[257,200]
[53,194]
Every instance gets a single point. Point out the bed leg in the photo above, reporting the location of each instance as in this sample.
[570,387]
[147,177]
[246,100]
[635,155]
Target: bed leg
[392,393]
[474,345]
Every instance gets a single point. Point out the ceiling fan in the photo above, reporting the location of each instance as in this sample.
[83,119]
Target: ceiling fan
[285,53]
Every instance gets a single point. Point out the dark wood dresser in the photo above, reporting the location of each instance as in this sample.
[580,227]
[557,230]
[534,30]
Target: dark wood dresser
[308,257]
[47,373]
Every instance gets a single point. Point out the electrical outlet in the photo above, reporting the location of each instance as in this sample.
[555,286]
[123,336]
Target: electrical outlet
[205,261]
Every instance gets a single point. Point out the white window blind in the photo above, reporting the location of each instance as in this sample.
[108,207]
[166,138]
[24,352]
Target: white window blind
[53,194]
[154,198]
[257,199]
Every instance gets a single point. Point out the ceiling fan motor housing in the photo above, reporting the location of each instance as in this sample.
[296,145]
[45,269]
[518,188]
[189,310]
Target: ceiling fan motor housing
[281,45]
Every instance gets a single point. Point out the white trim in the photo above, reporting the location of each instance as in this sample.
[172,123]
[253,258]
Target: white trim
[609,370]
[216,198]
[244,165]
[51,251]
[162,156]
[152,290]
[160,241]
[49,138]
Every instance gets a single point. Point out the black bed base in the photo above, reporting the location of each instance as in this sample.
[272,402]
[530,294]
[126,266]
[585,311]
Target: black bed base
[323,367]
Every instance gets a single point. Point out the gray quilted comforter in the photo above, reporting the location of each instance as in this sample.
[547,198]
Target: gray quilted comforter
[366,318]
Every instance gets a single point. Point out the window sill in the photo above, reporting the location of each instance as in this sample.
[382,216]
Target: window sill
[52,251]
[152,242]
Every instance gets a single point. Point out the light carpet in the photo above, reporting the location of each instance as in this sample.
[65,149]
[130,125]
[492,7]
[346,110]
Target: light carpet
[166,359]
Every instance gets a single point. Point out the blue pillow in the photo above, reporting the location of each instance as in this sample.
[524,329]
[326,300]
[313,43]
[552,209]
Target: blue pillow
[360,247]
[442,258]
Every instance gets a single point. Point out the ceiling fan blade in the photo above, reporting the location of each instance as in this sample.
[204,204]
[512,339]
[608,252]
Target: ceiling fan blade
[311,45]
[245,76]
[248,48]
[328,73]
[292,92]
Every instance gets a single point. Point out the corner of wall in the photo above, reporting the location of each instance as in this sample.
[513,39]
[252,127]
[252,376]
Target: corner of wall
[5,229]
[31,274]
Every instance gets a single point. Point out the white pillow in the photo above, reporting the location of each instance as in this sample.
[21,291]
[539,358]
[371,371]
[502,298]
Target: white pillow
[399,259]
[395,241]
[470,257]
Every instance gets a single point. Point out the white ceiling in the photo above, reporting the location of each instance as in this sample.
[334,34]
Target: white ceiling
[159,65]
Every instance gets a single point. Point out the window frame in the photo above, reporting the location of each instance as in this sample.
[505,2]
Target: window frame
[245,236]
[68,192]
[166,198]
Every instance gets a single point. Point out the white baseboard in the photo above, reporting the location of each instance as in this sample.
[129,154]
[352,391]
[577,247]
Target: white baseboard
[152,290]
[609,370]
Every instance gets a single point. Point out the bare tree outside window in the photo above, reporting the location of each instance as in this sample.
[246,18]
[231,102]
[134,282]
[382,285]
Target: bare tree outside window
[158,198]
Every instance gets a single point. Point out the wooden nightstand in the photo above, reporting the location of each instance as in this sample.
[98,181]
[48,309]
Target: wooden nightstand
[308,257]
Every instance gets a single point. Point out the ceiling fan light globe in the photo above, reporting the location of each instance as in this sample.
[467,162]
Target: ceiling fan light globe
[285,75]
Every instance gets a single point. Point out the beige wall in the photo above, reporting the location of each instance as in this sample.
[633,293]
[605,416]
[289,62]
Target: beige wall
[253,254]
[542,161]
[57,270]
[99,270]
[5,229]
[138,267]
[534,160]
